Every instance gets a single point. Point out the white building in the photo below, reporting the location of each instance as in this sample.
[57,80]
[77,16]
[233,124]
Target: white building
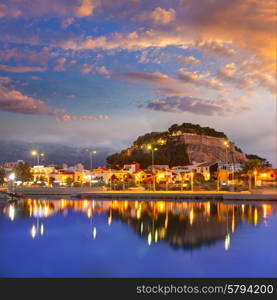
[185,169]
[236,167]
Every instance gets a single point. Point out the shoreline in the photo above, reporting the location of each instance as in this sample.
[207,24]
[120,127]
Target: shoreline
[82,193]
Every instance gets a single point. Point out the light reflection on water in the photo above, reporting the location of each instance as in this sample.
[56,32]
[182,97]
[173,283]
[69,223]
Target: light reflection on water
[187,226]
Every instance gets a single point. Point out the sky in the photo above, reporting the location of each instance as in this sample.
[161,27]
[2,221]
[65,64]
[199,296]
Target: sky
[99,73]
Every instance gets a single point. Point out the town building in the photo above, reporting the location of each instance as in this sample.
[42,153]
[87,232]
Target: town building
[131,168]
[208,170]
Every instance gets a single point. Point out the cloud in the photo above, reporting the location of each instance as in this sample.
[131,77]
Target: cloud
[27,55]
[188,60]
[171,85]
[67,22]
[60,64]
[248,24]
[156,77]
[215,47]
[194,105]
[219,26]
[86,69]
[199,79]
[2,10]
[131,41]
[21,69]
[159,16]
[5,80]
[14,101]
[39,8]
[153,55]
[67,118]
[174,91]
[248,75]
[164,84]
[85,9]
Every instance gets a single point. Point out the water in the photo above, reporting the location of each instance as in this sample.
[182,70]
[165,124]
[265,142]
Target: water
[73,238]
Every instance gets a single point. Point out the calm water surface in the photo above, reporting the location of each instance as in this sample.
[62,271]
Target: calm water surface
[73,238]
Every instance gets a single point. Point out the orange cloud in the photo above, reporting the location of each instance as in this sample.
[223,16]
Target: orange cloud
[85,9]
[159,16]
[188,60]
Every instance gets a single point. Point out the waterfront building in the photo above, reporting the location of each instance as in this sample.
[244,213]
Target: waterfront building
[235,167]
[158,167]
[266,177]
[208,170]
[42,173]
[9,166]
[186,168]
[131,168]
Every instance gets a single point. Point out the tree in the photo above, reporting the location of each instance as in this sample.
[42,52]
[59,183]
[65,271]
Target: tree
[23,172]
[2,175]
[264,161]
[198,178]
[251,166]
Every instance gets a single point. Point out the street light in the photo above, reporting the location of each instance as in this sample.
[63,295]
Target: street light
[191,180]
[91,153]
[226,144]
[37,155]
[149,147]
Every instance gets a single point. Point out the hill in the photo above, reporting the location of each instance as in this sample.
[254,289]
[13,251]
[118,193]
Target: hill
[180,145]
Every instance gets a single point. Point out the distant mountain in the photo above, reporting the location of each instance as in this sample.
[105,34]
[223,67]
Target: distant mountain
[54,153]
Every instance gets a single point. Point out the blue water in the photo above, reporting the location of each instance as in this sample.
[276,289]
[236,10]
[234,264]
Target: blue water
[60,238]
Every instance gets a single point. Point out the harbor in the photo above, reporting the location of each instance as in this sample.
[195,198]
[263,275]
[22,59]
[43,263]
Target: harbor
[89,193]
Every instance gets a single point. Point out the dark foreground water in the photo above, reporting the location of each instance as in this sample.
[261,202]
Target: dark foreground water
[66,238]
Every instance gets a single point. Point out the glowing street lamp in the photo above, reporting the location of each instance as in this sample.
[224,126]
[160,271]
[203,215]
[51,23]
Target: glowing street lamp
[226,144]
[37,155]
[191,180]
[12,176]
[93,152]
[149,147]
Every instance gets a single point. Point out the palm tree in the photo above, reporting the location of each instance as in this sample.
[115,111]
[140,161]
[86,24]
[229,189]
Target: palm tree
[2,175]
[251,168]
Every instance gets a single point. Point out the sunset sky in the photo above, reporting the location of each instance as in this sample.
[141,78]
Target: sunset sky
[99,73]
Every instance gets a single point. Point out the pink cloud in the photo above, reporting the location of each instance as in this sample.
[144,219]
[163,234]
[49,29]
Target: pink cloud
[14,101]
[196,105]
[5,79]
[60,64]
[21,69]
[2,10]
[67,118]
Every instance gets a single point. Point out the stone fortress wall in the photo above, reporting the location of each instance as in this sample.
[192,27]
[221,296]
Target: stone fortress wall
[202,148]
[196,139]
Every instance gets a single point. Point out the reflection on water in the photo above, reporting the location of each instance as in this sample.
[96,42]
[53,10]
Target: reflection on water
[186,225]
